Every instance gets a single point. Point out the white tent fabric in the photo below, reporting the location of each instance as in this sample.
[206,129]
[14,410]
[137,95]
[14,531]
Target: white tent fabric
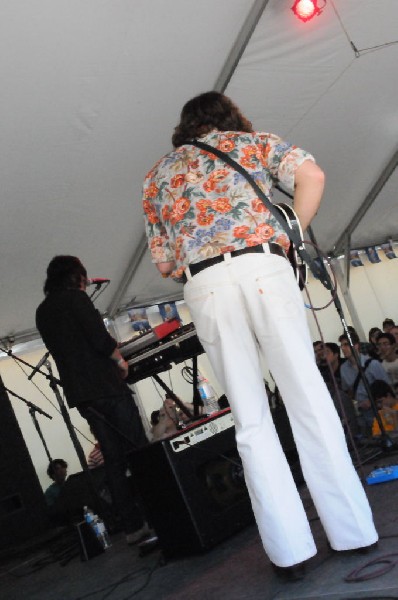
[91,91]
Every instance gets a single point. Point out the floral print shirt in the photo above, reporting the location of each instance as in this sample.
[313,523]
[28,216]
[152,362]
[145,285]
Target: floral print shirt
[196,206]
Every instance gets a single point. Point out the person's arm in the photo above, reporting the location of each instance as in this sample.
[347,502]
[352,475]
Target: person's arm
[158,240]
[309,184]
[92,324]
[165,268]
[296,171]
[122,365]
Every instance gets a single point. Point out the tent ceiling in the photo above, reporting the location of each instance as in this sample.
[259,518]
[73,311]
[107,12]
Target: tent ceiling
[91,92]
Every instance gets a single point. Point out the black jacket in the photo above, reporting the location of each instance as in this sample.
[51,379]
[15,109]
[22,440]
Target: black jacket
[74,333]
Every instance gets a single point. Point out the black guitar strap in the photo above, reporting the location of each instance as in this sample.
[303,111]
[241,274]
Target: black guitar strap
[317,271]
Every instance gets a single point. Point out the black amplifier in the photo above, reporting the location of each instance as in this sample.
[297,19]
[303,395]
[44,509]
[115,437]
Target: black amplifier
[192,486]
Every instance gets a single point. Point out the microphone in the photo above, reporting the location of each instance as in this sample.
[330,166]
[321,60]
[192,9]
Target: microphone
[97,281]
[39,365]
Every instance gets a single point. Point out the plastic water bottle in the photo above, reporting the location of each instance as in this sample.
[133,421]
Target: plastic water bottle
[208,396]
[88,515]
[98,526]
[101,532]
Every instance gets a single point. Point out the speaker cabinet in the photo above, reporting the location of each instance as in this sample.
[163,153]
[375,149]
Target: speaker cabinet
[22,506]
[192,486]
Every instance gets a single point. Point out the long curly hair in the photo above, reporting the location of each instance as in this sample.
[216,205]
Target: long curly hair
[208,111]
[64,272]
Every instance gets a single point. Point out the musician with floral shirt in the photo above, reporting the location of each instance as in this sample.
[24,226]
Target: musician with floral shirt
[205,225]
[196,210]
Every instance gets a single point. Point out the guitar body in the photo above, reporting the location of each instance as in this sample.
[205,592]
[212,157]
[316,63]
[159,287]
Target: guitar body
[299,267]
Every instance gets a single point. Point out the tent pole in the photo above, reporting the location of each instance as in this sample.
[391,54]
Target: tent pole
[128,276]
[240,44]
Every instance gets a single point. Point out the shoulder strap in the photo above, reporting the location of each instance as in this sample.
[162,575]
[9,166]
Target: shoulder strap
[235,165]
[317,270]
[358,377]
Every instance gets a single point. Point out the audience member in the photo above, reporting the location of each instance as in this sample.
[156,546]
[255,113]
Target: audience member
[333,361]
[164,421]
[57,471]
[352,381]
[387,402]
[388,353]
[58,511]
[394,332]
[373,350]
[319,351]
[388,324]
[364,347]
[342,401]
[95,458]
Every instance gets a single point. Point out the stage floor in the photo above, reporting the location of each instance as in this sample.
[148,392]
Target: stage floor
[236,569]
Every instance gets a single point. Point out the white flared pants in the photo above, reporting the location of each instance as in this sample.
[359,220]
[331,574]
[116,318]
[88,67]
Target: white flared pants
[253,300]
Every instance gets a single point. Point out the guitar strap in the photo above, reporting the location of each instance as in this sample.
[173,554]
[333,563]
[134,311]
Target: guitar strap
[293,236]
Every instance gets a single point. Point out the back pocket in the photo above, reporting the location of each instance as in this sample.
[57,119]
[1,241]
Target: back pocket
[201,304]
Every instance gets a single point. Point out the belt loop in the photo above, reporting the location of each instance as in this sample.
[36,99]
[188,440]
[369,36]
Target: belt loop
[187,273]
[266,248]
[227,257]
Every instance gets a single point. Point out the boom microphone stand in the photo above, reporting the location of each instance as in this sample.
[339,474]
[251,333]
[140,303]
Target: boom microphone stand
[33,409]
[54,384]
[65,414]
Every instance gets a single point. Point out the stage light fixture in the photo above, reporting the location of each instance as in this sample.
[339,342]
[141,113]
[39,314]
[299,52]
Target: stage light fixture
[307,9]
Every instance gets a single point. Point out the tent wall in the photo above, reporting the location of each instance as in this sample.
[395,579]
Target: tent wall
[373,289]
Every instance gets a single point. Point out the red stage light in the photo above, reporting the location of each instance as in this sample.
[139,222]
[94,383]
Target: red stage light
[306,9]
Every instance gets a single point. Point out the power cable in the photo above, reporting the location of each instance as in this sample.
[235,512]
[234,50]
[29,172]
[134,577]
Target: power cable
[384,564]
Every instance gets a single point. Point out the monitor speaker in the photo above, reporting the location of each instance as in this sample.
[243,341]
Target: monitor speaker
[192,485]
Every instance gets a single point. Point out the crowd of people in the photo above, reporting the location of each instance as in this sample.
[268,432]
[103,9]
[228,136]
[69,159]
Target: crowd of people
[355,401]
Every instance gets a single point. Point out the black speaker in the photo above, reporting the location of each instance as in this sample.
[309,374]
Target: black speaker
[23,512]
[192,486]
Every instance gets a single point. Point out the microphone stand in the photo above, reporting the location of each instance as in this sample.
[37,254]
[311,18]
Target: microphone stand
[319,271]
[97,289]
[176,399]
[196,399]
[65,414]
[33,409]
[386,442]
[54,383]
[32,412]
[35,369]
